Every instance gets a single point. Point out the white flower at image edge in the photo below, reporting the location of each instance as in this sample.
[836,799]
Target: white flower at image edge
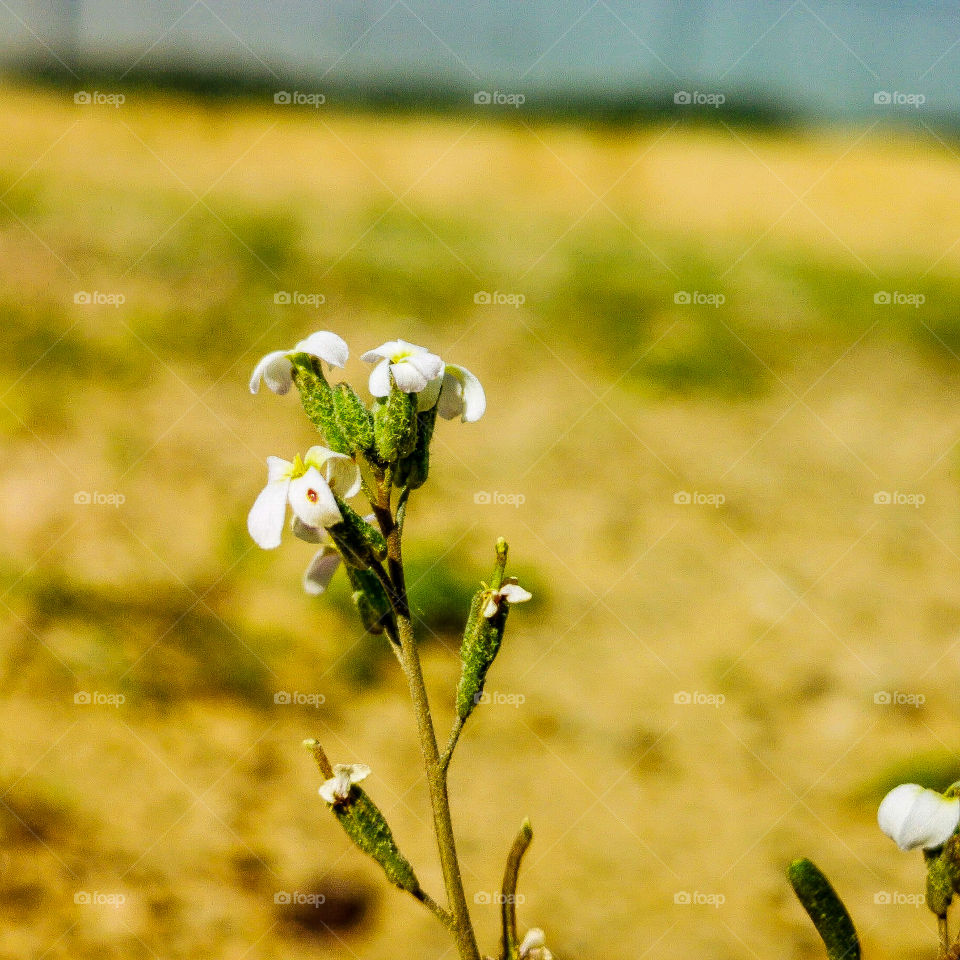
[534,946]
[345,775]
[458,393]
[913,816]
[510,592]
[309,486]
[412,367]
[275,368]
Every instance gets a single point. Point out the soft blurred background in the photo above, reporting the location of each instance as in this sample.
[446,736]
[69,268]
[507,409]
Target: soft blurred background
[703,256]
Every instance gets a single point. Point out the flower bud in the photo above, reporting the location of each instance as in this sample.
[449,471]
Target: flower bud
[913,816]
[317,399]
[826,910]
[352,418]
[368,829]
[358,541]
[395,425]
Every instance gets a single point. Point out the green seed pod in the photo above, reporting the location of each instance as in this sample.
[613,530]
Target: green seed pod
[395,425]
[826,910]
[353,419]
[415,468]
[943,875]
[370,600]
[357,541]
[317,399]
[368,829]
[482,637]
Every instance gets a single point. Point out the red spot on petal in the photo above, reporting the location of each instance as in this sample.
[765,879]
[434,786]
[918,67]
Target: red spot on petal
[312,495]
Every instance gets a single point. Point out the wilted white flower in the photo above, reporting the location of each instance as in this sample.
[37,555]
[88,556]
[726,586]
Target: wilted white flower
[325,561]
[510,592]
[458,393]
[275,368]
[345,775]
[534,946]
[913,816]
[412,367]
[308,485]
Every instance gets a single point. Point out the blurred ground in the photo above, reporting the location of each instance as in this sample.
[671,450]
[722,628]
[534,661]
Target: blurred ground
[710,690]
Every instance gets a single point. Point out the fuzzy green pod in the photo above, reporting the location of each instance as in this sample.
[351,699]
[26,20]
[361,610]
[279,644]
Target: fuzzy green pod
[317,399]
[366,826]
[943,875]
[826,910]
[414,469]
[357,541]
[370,599]
[395,425]
[353,419]
[482,638]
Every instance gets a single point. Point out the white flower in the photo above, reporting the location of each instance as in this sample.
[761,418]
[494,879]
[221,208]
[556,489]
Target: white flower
[309,486]
[345,775]
[458,393]
[913,816]
[275,368]
[412,367]
[325,561]
[534,946]
[509,592]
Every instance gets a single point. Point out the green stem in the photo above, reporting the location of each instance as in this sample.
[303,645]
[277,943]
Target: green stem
[461,925]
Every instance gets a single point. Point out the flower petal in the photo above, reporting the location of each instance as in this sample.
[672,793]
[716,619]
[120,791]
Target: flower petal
[307,534]
[278,468]
[471,401]
[492,606]
[913,816]
[514,593]
[428,396]
[429,364]
[320,572]
[328,791]
[325,345]
[313,501]
[384,352]
[380,379]
[407,377]
[265,520]
[355,771]
[341,473]
[275,371]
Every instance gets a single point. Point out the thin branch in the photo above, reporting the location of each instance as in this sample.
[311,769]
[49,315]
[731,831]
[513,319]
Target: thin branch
[458,725]
[508,897]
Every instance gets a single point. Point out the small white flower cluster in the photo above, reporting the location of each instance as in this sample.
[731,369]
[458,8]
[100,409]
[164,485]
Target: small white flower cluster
[312,484]
[913,816]
[534,946]
[337,789]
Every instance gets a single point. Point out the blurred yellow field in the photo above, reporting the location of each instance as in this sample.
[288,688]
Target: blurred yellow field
[738,517]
